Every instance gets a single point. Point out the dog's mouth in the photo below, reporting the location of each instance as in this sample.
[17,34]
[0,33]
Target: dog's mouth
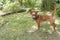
[35,17]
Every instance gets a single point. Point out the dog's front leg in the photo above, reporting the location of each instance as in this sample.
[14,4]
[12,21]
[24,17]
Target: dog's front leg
[38,24]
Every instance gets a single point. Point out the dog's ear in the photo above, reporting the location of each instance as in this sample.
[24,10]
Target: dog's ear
[30,10]
[36,11]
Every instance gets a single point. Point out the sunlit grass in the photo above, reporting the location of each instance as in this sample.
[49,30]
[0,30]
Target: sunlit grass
[15,27]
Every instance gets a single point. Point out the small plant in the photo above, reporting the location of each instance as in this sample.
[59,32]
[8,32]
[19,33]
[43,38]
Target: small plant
[46,4]
[11,7]
[1,5]
[58,12]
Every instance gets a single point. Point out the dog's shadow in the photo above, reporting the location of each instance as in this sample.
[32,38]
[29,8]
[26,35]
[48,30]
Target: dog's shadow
[49,35]
[46,35]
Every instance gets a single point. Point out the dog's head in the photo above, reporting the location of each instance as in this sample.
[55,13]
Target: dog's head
[34,13]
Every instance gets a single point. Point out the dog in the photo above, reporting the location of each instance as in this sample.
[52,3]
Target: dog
[41,18]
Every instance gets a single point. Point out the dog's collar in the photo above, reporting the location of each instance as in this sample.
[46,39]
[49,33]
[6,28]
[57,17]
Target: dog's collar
[36,17]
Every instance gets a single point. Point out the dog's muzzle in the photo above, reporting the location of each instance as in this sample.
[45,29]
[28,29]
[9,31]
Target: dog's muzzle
[33,16]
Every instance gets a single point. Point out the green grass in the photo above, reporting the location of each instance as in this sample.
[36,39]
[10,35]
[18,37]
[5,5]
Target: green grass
[15,27]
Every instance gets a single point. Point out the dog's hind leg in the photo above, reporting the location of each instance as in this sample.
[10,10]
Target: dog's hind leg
[53,24]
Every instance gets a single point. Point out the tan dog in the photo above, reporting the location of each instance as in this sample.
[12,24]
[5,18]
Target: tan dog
[42,18]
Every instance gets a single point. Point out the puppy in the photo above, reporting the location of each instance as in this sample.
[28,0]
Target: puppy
[41,18]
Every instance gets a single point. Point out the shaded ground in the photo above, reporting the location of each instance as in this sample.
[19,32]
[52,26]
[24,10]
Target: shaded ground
[15,27]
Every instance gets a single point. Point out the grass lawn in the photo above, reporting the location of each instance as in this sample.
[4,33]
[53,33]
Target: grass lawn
[15,27]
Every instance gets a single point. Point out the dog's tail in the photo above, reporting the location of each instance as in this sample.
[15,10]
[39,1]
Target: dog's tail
[54,10]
